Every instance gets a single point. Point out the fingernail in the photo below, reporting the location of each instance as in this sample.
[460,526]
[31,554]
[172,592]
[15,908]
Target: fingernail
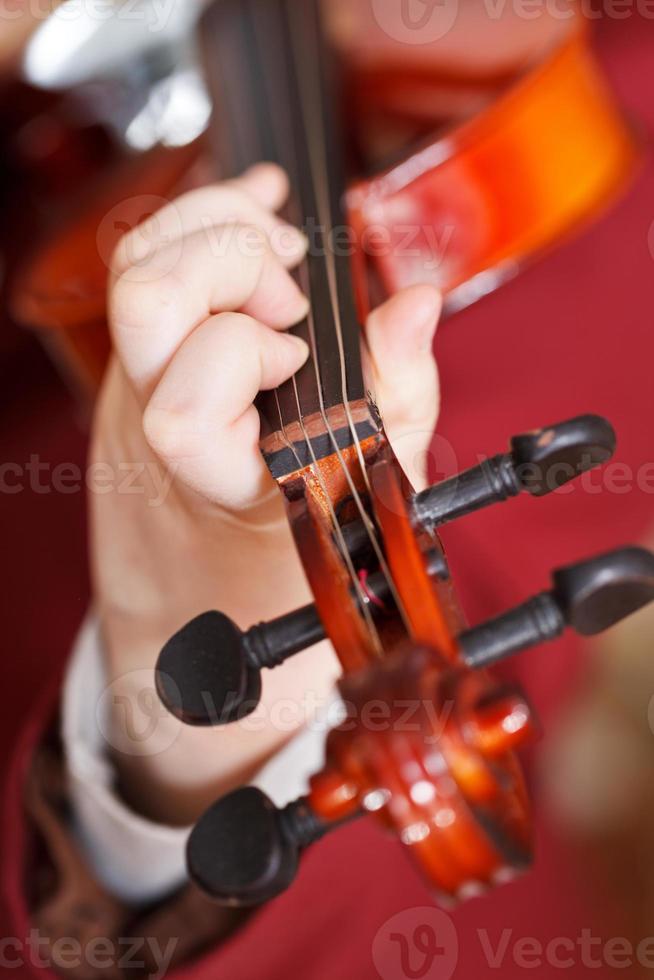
[297,343]
[289,242]
[303,306]
[263,166]
[279,302]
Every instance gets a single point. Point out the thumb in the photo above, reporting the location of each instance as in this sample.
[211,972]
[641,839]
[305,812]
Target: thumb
[401,370]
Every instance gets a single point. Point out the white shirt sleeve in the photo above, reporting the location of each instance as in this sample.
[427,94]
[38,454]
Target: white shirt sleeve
[136,859]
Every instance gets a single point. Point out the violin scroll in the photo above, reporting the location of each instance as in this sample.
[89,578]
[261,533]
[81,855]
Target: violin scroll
[442,776]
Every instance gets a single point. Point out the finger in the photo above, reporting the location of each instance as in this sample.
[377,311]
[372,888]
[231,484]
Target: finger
[154,307]
[403,373]
[266,183]
[201,420]
[249,199]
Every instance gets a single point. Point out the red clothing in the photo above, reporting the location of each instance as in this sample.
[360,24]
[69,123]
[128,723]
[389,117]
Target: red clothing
[571,335]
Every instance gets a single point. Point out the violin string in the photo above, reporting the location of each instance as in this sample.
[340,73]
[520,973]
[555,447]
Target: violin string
[256,27]
[364,600]
[363,597]
[368,524]
[318,165]
[238,164]
[315,468]
[282,429]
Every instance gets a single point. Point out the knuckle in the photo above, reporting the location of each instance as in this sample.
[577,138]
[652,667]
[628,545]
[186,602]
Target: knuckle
[241,248]
[172,434]
[218,201]
[118,255]
[145,236]
[237,330]
[278,355]
[229,195]
[139,301]
[254,238]
[238,341]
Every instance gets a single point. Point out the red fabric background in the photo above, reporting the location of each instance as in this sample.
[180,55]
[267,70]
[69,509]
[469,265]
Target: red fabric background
[573,334]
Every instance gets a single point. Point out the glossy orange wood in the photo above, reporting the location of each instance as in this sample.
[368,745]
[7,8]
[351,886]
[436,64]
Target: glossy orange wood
[436,766]
[495,190]
[333,798]
[62,287]
[314,496]
[462,812]
[330,583]
[431,622]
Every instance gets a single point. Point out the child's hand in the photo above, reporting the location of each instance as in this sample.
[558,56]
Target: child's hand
[199,302]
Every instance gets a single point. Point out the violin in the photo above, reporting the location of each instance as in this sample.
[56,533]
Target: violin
[443,775]
[461,200]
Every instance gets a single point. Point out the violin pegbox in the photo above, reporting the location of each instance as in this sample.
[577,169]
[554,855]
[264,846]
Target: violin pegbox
[209,672]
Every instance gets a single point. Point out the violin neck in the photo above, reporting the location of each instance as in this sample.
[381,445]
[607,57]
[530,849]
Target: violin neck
[275,99]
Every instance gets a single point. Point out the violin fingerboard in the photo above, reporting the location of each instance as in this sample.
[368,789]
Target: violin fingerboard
[275,95]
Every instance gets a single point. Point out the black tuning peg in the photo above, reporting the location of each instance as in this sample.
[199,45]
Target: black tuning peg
[245,851]
[209,673]
[590,597]
[538,463]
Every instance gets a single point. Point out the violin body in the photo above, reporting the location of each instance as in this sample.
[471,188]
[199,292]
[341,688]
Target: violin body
[548,150]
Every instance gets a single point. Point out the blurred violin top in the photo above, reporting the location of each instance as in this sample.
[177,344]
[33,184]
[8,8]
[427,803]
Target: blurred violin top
[455,178]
